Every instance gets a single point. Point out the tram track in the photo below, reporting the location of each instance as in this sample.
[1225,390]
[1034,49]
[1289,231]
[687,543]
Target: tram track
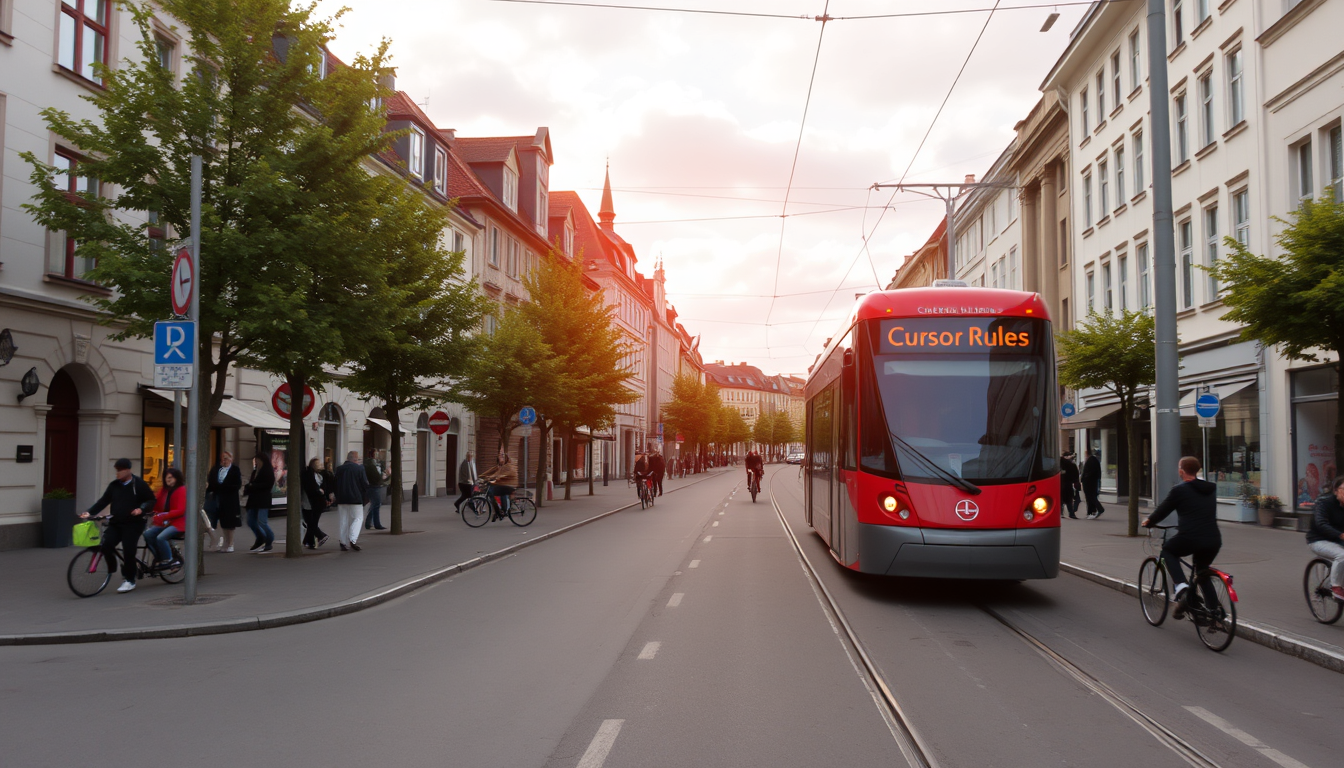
[915,749]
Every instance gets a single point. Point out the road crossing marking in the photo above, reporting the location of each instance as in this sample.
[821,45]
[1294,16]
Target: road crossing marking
[650,649]
[720,513]
[601,744]
[707,538]
[716,524]
[1244,737]
[695,563]
[675,600]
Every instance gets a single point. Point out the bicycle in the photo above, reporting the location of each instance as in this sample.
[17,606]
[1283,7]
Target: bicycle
[753,485]
[481,509]
[87,579]
[1215,624]
[645,489]
[1316,586]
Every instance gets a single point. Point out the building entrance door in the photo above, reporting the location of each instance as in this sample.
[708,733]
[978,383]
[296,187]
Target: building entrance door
[62,446]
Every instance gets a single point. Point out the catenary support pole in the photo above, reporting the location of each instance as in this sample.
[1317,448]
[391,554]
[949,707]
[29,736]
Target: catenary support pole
[1168,420]
[193,552]
[177,428]
[951,202]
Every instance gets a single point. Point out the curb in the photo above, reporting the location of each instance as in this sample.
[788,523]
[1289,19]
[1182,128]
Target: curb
[1307,649]
[303,615]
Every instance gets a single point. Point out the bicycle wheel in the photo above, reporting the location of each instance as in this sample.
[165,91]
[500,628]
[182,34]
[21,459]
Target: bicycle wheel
[522,512]
[755,489]
[1216,621]
[177,573]
[1316,587]
[86,575]
[476,511]
[1153,597]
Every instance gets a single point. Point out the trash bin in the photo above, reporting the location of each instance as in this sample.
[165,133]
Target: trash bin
[58,519]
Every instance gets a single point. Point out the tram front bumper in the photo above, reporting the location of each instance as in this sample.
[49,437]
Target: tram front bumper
[943,553]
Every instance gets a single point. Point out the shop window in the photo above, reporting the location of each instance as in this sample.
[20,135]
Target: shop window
[1315,410]
[1230,450]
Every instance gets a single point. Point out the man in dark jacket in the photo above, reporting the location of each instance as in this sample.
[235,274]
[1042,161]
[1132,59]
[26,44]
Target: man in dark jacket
[130,498]
[658,467]
[259,494]
[1326,535]
[1092,485]
[377,476]
[1069,485]
[1195,503]
[352,489]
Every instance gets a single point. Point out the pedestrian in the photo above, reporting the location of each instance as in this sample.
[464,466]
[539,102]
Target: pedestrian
[377,484]
[1091,481]
[170,513]
[1326,535]
[1069,484]
[221,493]
[466,479]
[1195,503]
[130,497]
[317,496]
[658,467]
[258,491]
[352,489]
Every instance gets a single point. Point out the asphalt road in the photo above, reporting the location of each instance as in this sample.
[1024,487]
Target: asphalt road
[685,635]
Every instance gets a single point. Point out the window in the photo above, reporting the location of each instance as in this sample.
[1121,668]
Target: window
[1012,268]
[1115,79]
[569,240]
[1091,292]
[83,36]
[542,207]
[1201,11]
[165,52]
[1145,286]
[491,322]
[1119,176]
[1122,264]
[1064,243]
[1139,182]
[494,246]
[513,258]
[1206,108]
[1103,189]
[1106,287]
[1087,200]
[1241,217]
[1211,247]
[1186,244]
[1236,89]
[994,275]
[1064,314]
[1134,70]
[1177,23]
[67,178]
[415,158]
[1082,101]
[440,170]
[459,242]
[511,189]
[1182,137]
[1304,170]
[1337,163]
[1101,97]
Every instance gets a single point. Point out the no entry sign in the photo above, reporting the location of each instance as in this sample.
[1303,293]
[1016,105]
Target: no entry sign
[439,422]
[281,400]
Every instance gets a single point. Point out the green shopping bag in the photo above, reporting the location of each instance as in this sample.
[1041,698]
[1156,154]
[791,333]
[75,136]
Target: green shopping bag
[87,534]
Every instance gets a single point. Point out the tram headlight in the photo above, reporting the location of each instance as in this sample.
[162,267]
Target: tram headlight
[890,503]
[1039,506]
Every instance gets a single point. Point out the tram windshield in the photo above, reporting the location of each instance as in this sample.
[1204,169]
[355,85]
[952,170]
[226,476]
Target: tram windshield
[966,397]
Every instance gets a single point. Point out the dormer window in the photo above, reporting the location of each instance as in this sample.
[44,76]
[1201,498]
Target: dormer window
[568,243]
[440,170]
[416,156]
[541,206]
[511,189]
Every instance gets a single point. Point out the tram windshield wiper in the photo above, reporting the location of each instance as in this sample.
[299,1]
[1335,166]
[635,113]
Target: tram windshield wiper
[932,465]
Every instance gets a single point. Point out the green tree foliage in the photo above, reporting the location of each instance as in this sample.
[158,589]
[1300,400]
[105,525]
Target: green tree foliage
[418,332]
[1114,352]
[693,411]
[763,431]
[785,431]
[1295,300]
[730,428]
[576,324]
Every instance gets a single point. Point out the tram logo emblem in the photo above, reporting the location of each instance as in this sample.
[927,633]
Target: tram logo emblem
[967,510]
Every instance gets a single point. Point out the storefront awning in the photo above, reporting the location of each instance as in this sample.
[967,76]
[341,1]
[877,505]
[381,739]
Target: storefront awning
[1224,391]
[384,423]
[1089,417]
[233,413]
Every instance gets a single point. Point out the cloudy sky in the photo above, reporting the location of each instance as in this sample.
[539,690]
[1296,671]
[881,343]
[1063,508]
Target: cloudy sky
[699,115]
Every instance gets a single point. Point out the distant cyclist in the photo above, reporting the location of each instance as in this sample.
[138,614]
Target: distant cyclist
[1326,536]
[1195,503]
[755,465]
[642,472]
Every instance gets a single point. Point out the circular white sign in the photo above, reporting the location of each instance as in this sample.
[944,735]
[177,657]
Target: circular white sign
[183,282]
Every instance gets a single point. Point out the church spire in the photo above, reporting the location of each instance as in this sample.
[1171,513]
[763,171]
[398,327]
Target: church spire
[607,214]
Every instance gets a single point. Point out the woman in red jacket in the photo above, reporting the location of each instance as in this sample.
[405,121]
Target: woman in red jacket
[170,512]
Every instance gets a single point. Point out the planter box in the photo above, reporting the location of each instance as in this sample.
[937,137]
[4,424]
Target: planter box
[58,519]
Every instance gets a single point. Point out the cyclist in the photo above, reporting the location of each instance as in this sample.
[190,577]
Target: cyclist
[170,514]
[1326,536]
[130,498]
[755,465]
[1195,503]
[502,481]
[643,471]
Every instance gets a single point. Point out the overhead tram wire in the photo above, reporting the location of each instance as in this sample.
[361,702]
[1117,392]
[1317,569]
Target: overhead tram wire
[802,17]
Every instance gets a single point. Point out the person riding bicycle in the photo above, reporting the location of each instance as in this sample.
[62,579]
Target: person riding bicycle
[755,465]
[170,514]
[1326,535]
[502,480]
[642,473]
[1195,503]
[130,497]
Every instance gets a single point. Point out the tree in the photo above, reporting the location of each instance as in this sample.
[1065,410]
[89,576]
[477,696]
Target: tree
[729,428]
[250,108]
[693,410]
[785,431]
[763,431]
[1297,300]
[418,331]
[1114,352]
[576,324]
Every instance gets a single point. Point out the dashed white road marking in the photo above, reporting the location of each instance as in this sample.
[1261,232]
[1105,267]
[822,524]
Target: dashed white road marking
[650,649]
[707,538]
[716,524]
[601,744]
[675,600]
[695,563]
[1244,737]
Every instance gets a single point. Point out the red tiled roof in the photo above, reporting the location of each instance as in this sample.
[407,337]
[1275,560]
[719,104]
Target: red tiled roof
[489,149]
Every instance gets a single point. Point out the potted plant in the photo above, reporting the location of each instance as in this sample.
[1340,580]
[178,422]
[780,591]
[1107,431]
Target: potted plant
[58,517]
[1269,509]
[1249,494]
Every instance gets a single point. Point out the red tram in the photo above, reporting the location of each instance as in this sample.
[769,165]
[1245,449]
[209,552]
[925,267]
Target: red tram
[933,436]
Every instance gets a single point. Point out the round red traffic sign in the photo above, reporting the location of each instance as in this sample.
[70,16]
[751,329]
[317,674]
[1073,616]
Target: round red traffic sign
[280,401]
[439,422]
[183,282]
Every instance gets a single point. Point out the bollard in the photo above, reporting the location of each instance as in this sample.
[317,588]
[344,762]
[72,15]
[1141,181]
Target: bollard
[415,497]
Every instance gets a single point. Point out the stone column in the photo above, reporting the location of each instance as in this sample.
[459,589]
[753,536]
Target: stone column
[1031,240]
[1050,241]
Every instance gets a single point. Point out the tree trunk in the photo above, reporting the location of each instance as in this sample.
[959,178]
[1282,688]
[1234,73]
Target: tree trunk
[294,467]
[566,445]
[1135,463]
[541,462]
[394,482]
[592,457]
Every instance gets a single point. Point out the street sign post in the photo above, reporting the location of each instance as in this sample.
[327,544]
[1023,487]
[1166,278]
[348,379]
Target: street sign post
[1068,410]
[281,401]
[183,282]
[439,422]
[1207,407]
[174,354]
[527,415]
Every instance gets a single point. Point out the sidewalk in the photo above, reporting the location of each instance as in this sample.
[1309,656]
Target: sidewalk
[1266,563]
[240,587]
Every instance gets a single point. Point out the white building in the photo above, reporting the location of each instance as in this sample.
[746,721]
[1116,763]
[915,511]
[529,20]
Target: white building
[989,237]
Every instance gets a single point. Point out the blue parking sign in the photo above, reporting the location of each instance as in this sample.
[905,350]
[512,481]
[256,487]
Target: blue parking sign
[175,343]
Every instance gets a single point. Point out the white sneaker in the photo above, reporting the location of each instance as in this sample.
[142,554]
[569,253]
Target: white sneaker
[126,586]
[230,549]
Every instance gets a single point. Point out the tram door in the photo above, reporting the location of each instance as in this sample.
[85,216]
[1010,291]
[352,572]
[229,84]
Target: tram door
[821,471]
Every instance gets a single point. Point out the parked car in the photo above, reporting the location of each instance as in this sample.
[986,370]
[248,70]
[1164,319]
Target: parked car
[794,458]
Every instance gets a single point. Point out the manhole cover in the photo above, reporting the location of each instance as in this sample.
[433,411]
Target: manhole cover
[200,600]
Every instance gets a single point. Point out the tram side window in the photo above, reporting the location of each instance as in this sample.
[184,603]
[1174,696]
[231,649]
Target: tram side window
[848,427]
[875,447]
